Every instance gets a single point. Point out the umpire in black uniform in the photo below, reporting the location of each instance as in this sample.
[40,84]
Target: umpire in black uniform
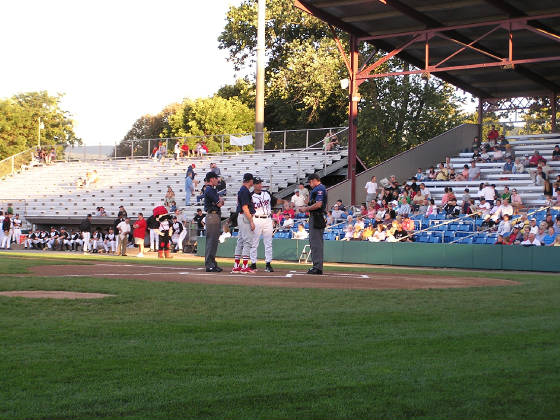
[212,206]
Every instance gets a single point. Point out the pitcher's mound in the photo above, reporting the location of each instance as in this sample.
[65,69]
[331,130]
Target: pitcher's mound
[53,294]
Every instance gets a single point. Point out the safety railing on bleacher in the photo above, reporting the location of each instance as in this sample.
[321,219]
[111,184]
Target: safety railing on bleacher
[15,163]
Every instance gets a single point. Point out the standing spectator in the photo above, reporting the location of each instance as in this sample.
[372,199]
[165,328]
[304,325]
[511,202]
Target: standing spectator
[122,213]
[140,233]
[177,150]
[371,189]
[85,228]
[493,135]
[304,192]
[124,229]
[189,187]
[169,197]
[162,151]
[297,200]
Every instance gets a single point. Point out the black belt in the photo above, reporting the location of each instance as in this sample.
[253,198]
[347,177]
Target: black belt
[262,217]
[214,212]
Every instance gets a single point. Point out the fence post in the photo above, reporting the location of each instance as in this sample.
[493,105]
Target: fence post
[149,147]
[222,144]
[132,149]
[284,140]
[115,150]
[306,139]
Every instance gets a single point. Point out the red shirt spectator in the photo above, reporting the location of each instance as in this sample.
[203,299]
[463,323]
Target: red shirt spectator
[140,227]
[536,158]
[205,147]
[289,212]
[185,149]
[493,133]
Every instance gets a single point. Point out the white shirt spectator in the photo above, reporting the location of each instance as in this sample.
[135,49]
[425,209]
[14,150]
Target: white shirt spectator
[124,229]
[484,208]
[488,193]
[371,187]
[506,209]
[298,200]
[289,222]
[531,241]
[504,227]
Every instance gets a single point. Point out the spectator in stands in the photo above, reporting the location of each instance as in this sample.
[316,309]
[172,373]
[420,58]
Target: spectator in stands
[476,143]
[506,195]
[485,155]
[493,135]
[487,223]
[289,211]
[514,237]
[495,211]
[549,237]
[464,175]
[516,201]
[503,142]
[189,187]
[330,141]
[185,152]
[535,159]
[199,220]
[556,153]
[542,232]
[442,173]
[173,207]
[297,200]
[169,197]
[448,163]
[556,241]
[418,200]
[474,172]
[539,176]
[155,152]
[452,175]
[432,175]
[288,222]
[476,155]
[506,208]
[278,217]
[337,214]
[214,168]
[304,192]
[518,167]
[379,235]
[340,205]
[533,226]
[122,213]
[162,150]
[509,153]
[484,207]
[371,189]
[498,155]
[420,175]
[508,167]
[451,209]
[424,191]
[301,233]
[489,193]
[504,227]
[177,150]
[500,240]
[330,218]
[432,209]
[204,148]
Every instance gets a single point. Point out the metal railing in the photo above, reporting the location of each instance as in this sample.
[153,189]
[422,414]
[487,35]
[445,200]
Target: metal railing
[218,144]
[15,163]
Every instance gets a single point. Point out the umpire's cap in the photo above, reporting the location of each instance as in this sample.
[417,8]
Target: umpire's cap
[257,180]
[210,175]
[248,177]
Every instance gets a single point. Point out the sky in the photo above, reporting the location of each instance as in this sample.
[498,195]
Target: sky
[114,60]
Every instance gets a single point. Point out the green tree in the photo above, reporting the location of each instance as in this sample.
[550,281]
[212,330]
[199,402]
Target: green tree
[242,89]
[19,122]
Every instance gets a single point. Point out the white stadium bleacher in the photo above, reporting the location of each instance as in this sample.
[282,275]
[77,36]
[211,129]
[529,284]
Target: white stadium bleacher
[140,184]
[531,194]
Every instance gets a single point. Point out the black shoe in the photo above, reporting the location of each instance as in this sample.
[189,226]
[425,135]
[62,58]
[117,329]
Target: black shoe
[213,270]
[253,266]
[314,271]
[268,268]
[218,269]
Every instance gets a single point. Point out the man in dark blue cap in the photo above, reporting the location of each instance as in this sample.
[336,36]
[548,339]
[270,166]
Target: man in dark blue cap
[212,205]
[246,226]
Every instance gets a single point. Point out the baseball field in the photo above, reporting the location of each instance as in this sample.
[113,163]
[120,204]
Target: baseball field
[170,341]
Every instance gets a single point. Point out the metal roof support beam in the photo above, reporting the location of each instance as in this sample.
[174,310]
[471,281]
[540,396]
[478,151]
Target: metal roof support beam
[553,112]
[340,48]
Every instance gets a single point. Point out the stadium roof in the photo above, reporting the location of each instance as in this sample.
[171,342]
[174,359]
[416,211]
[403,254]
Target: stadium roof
[507,48]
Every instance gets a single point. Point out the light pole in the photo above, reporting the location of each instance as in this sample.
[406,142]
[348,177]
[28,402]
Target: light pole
[259,103]
[40,126]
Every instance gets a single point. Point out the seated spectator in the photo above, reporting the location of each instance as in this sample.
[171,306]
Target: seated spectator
[420,175]
[503,142]
[169,196]
[423,207]
[485,155]
[484,208]
[504,227]
[516,201]
[162,151]
[173,207]
[476,143]
[301,233]
[542,232]
[278,217]
[518,167]
[432,175]
[371,211]
[418,200]
[539,176]
[509,153]
[535,159]
[495,211]
[442,174]
[330,218]
[556,153]
[506,208]
[514,237]
[379,235]
[531,241]
[500,240]
[487,223]
[452,175]
[288,222]
[424,191]
[221,187]
[340,205]
[549,238]
[348,229]
[367,233]
[508,167]
[476,156]
[289,211]
[432,209]
[448,163]
[185,152]
[337,214]
[474,172]
[498,155]
[533,228]
[464,175]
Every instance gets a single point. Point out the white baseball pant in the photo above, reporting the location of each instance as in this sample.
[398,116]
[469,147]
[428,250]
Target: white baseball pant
[6,240]
[17,235]
[154,239]
[86,236]
[107,244]
[262,227]
[244,237]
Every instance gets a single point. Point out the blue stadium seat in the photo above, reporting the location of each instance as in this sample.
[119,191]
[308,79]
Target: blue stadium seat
[466,241]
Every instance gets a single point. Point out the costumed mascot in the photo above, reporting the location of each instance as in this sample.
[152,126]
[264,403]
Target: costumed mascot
[165,230]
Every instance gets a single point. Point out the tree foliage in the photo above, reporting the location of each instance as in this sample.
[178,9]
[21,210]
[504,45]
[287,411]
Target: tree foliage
[303,76]
[19,122]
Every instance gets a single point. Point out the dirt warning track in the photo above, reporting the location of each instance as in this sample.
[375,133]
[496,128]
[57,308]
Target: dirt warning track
[279,278]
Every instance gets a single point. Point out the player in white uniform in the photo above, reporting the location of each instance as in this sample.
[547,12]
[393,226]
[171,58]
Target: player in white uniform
[263,202]
[17,229]
[110,242]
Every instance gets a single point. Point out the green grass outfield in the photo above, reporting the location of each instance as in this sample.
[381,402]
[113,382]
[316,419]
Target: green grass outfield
[173,350]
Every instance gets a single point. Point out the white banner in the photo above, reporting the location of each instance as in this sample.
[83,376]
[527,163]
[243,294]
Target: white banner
[241,141]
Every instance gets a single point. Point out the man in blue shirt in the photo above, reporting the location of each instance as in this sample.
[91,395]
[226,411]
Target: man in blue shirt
[317,222]
[212,205]
[245,225]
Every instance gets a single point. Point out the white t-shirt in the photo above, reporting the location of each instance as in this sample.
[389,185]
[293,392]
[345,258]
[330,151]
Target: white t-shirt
[371,187]
[298,200]
[536,242]
[488,193]
[124,229]
[484,207]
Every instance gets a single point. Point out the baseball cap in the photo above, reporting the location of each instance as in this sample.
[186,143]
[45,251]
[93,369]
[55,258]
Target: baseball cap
[248,177]
[314,176]
[210,175]
[257,180]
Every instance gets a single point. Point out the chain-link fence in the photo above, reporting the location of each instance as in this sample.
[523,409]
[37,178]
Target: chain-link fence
[16,163]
